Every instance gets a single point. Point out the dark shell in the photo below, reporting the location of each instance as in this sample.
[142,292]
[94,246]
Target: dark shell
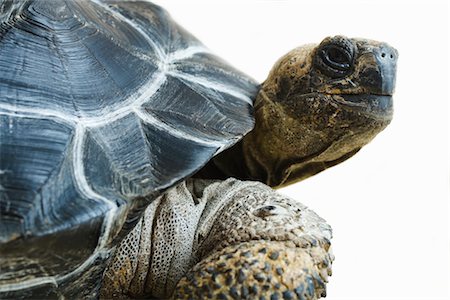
[103,106]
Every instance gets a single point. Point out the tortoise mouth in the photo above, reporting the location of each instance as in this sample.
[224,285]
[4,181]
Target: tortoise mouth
[375,106]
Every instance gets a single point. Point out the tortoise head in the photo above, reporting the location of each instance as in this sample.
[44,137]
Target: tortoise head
[319,106]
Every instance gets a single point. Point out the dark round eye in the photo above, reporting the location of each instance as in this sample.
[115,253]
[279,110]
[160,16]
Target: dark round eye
[337,57]
[335,60]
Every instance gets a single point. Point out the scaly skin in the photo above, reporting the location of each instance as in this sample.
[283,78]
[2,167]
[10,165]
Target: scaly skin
[240,239]
[247,240]
[271,269]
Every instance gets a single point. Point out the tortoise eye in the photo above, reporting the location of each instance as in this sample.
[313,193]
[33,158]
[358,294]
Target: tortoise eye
[335,59]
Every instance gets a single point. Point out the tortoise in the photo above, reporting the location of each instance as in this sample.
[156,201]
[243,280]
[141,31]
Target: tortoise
[136,163]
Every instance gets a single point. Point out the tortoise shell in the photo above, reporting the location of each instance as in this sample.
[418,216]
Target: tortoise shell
[103,106]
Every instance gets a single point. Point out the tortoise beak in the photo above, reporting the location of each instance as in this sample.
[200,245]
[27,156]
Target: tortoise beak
[387,60]
[378,65]
[379,73]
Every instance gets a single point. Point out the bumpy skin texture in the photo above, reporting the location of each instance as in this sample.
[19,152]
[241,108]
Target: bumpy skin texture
[223,238]
[318,107]
[268,269]
[76,75]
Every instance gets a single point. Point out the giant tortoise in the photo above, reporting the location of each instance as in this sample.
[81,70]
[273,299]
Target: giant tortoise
[135,163]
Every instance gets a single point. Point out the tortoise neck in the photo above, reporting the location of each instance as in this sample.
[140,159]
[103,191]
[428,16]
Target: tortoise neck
[279,151]
[240,161]
[229,163]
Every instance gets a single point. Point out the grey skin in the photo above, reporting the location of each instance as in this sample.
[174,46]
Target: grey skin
[240,239]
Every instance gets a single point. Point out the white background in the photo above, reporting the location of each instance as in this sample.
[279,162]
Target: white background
[388,205]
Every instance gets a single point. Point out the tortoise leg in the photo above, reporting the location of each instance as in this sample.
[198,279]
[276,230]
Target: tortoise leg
[223,239]
[262,269]
[259,245]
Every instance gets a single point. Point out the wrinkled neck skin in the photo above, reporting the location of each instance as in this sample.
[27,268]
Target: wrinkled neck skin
[307,122]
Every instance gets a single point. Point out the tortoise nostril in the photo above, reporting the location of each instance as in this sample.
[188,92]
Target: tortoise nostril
[387,55]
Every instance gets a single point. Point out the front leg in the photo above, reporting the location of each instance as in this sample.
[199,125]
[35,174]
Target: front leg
[225,239]
[255,243]
[259,269]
